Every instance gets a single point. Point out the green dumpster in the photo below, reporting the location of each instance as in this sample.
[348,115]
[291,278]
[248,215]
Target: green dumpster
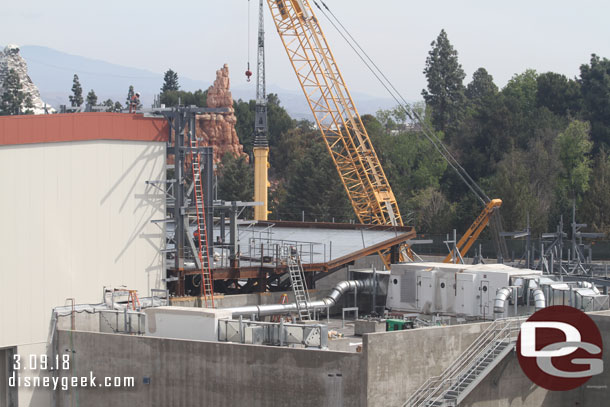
[395,324]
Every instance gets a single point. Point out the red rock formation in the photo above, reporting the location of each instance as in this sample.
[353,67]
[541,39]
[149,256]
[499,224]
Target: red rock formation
[218,129]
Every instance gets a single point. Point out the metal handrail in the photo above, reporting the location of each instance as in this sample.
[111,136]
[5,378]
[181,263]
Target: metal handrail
[479,358]
[499,329]
[495,344]
[435,379]
[307,249]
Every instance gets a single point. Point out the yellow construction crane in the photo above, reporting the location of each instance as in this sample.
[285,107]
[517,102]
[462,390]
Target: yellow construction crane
[261,146]
[341,126]
[473,232]
[335,113]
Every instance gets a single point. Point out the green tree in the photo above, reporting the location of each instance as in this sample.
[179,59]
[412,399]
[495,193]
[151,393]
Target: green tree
[293,145]
[172,98]
[524,119]
[432,212]
[410,162]
[170,81]
[313,186]
[521,91]
[574,148]
[558,94]
[278,121]
[244,126]
[130,94]
[91,98]
[392,120]
[527,180]
[235,179]
[483,136]
[13,97]
[29,105]
[596,203]
[595,88]
[445,93]
[109,105]
[76,99]
[118,106]
[482,87]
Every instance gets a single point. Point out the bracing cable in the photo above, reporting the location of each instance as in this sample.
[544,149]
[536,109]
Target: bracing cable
[398,98]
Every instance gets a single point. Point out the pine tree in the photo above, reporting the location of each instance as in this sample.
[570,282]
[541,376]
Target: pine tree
[445,94]
[118,106]
[482,86]
[29,105]
[130,94]
[109,105]
[91,98]
[13,97]
[77,92]
[235,179]
[170,81]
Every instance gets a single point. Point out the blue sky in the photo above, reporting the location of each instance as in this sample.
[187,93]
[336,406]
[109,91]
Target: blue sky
[196,37]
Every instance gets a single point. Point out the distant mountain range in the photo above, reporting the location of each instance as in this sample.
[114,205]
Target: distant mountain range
[52,72]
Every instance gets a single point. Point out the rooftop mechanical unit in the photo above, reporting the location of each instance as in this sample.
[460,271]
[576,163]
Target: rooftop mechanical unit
[483,291]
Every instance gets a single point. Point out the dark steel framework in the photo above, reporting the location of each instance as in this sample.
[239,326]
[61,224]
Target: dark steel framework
[238,274]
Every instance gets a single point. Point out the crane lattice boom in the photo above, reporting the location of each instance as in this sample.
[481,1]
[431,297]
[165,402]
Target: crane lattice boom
[335,113]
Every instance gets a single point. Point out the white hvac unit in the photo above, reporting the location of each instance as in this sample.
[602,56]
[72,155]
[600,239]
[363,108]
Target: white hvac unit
[451,289]
[484,290]
[184,322]
[465,293]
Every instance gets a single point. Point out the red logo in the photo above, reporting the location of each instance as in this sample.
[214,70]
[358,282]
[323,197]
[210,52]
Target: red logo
[560,348]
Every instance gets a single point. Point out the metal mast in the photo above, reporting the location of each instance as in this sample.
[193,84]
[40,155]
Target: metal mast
[261,145]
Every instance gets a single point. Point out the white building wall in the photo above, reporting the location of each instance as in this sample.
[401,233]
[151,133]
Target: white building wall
[75,218]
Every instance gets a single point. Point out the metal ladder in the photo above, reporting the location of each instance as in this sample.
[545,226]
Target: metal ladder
[207,289]
[470,368]
[297,280]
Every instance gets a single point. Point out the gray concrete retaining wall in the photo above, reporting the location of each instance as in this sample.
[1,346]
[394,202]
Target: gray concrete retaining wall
[193,373]
[399,362]
[507,385]
[391,366]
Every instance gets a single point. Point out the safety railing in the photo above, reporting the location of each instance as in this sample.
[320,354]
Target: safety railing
[434,389]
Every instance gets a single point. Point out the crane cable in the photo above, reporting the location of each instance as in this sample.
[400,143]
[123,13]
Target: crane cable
[248,70]
[413,115]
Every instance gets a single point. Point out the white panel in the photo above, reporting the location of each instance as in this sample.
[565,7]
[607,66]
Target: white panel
[76,217]
[466,299]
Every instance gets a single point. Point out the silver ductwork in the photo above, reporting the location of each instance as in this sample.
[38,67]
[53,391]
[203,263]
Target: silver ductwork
[587,284]
[275,309]
[501,296]
[505,293]
[539,300]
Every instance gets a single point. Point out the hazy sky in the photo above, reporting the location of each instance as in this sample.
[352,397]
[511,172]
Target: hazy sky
[196,37]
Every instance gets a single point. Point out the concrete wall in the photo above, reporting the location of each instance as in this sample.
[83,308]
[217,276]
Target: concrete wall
[507,385]
[76,217]
[399,362]
[391,366]
[193,373]
[8,395]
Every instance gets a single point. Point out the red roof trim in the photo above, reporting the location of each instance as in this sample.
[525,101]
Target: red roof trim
[29,129]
